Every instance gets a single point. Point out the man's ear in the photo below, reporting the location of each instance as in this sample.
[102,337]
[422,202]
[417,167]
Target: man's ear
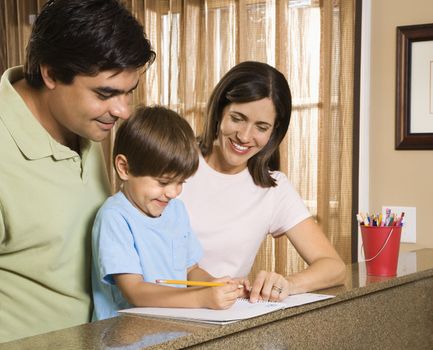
[47,76]
[122,168]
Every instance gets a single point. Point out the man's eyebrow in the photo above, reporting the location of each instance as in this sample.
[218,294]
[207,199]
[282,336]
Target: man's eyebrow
[107,90]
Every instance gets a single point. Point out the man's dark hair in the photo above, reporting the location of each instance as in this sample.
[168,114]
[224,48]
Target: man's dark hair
[85,37]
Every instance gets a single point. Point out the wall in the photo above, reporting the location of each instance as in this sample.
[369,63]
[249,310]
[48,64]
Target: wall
[398,178]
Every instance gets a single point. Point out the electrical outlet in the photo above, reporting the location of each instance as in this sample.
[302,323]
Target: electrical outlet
[408,231]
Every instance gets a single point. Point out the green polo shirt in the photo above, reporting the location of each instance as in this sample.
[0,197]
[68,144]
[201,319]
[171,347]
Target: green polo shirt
[49,196]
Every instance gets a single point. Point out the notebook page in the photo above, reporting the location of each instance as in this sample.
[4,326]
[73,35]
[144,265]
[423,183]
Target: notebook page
[304,298]
[241,309]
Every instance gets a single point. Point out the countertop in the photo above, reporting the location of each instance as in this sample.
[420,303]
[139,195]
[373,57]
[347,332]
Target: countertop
[135,332]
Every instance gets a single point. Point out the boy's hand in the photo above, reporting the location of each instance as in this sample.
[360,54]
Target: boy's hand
[219,297]
[243,292]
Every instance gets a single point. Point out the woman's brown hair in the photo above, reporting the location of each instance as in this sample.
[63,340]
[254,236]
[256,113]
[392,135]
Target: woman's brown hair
[246,82]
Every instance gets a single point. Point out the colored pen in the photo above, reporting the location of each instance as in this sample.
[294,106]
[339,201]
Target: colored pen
[400,220]
[195,283]
[380,220]
[387,217]
[391,221]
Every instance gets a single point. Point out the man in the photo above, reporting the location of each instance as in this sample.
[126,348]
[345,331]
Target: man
[84,59]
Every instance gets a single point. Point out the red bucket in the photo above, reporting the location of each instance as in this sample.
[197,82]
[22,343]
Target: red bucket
[381,247]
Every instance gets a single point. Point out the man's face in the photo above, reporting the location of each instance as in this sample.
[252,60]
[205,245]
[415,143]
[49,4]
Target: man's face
[91,105]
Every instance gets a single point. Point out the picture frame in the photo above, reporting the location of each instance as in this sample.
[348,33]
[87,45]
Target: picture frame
[414,88]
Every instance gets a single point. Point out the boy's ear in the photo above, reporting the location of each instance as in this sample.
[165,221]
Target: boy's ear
[46,74]
[121,165]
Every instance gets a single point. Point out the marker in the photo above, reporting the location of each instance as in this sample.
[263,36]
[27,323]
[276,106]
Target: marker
[400,220]
[391,220]
[387,217]
[195,283]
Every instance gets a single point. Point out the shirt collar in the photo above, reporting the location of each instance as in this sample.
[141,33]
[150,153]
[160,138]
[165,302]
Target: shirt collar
[29,135]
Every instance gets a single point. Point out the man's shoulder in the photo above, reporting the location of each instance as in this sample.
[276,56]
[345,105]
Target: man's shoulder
[9,97]
[13,74]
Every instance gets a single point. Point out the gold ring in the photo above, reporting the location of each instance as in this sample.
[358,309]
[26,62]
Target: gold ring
[278,289]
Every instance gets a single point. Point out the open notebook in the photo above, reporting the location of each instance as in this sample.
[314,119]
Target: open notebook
[242,309]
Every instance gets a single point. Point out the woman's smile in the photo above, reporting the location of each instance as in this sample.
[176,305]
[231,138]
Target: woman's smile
[238,148]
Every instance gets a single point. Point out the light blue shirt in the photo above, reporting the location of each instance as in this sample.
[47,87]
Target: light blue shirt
[124,240]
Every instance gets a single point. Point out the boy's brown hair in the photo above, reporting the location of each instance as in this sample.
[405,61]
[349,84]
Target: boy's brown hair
[157,141]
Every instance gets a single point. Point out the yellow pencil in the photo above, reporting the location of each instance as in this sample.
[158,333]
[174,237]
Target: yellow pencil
[196,283]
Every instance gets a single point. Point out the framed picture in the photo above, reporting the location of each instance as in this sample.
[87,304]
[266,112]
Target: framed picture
[414,93]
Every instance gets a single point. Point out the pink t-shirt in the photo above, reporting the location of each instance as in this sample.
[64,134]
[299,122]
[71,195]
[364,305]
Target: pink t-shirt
[231,216]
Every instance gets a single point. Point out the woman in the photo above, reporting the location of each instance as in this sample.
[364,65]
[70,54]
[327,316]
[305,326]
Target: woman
[238,196]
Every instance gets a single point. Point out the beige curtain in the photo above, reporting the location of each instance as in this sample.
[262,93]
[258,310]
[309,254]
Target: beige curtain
[197,41]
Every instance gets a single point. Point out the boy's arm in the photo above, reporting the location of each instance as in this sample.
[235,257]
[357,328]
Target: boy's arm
[140,293]
[196,273]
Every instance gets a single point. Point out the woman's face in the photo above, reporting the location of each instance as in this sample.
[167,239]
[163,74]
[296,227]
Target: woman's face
[244,130]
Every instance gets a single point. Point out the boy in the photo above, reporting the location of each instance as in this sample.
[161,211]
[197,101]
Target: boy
[84,58]
[142,233]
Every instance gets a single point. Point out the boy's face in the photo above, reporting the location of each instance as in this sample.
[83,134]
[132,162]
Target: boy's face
[150,194]
[91,105]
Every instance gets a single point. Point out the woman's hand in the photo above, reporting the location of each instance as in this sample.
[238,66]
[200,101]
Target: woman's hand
[269,286]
